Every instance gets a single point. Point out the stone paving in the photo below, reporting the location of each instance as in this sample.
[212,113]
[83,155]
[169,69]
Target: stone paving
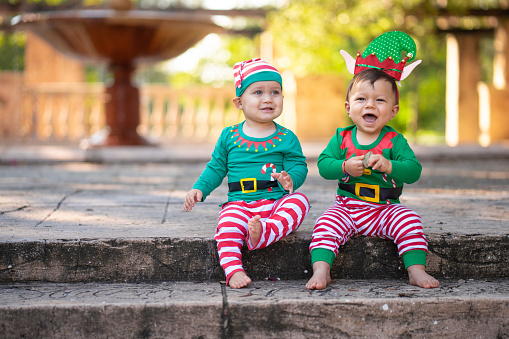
[126,204]
[282,309]
[76,200]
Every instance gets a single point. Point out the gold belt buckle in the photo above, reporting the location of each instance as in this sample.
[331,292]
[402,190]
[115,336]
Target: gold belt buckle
[248,179]
[376,188]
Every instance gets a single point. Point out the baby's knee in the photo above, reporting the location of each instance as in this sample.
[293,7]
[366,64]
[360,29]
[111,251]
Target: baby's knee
[296,201]
[300,196]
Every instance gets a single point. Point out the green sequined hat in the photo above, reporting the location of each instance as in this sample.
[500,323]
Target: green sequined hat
[385,53]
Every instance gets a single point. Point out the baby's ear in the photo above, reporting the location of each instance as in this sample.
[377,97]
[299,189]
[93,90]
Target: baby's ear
[395,110]
[237,102]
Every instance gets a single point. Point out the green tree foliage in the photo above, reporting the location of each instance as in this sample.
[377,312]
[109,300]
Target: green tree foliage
[12,47]
[310,33]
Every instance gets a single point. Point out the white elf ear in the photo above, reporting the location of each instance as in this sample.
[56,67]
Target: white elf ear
[350,61]
[408,69]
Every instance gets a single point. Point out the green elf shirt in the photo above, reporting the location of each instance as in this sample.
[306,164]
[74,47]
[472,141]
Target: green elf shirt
[373,185]
[245,160]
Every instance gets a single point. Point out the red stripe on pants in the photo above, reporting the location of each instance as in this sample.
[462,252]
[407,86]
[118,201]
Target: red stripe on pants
[278,218]
[349,217]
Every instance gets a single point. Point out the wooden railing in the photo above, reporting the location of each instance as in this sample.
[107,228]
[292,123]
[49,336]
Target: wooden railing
[63,111]
[197,114]
[73,111]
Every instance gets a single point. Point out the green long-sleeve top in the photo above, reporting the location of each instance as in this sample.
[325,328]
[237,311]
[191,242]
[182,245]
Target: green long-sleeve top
[240,157]
[373,185]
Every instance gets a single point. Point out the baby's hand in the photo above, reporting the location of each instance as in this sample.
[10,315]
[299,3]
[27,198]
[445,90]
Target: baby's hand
[354,166]
[192,196]
[285,180]
[378,162]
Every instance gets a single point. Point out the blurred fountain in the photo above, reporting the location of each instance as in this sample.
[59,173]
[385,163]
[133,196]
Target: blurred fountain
[122,38]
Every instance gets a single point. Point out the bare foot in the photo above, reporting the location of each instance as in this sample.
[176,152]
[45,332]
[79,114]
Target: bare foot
[239,279]
[418,277]
[255,229]
[321,276]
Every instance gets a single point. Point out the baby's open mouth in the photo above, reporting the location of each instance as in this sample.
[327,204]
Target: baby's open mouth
[369,118]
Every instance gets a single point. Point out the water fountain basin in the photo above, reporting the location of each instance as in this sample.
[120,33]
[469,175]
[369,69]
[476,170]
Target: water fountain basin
[121,39]
[114,36]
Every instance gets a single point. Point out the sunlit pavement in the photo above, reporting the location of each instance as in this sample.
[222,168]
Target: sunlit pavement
[73,220]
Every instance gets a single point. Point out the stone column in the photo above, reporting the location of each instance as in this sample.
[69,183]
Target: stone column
[462,101]
[498,128]
[122,109]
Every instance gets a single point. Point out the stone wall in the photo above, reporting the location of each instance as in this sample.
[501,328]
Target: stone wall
[320,107]
[45,64]
[499,128]
[11,117]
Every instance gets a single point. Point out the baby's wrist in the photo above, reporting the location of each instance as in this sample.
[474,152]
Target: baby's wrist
[389,167]
[343,166]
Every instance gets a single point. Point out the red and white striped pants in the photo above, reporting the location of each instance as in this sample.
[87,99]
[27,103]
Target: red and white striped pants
[349,217]
[278,218]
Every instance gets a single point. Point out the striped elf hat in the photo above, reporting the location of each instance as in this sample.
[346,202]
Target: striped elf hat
[384,53]
[247,72]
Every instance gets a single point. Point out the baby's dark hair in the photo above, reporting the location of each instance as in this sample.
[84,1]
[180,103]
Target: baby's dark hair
[372,75]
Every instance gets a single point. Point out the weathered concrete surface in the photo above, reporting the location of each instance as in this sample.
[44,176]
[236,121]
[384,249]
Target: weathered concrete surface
[166,259]
[120,219]
[71,222]
[91,201]
[372,309]
[111,311]
[265,309]
[175,152]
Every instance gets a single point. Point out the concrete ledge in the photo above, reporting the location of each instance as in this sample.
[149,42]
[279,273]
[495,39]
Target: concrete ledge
[192,259]
[347,308]
[192,153]
[109,310]
[367,318]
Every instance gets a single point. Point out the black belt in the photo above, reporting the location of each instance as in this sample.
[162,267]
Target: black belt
[372,193]
[250,185]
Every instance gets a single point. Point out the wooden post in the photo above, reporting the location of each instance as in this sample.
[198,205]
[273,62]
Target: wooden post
[498,127]
[462,101]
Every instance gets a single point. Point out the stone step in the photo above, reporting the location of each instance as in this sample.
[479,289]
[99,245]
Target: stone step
[195,259]
[265,309]
[98,251]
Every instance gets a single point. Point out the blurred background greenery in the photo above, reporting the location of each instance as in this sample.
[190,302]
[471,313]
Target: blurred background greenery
[307,37]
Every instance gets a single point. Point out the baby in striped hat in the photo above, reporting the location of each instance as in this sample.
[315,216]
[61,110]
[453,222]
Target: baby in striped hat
[264,164]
